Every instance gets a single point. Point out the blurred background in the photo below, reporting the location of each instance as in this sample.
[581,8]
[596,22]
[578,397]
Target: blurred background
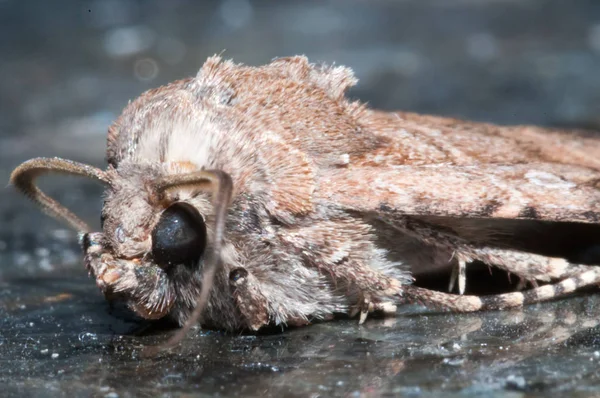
[67,68]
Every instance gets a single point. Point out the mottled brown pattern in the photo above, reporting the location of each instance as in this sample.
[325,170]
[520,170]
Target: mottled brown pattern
[556,192]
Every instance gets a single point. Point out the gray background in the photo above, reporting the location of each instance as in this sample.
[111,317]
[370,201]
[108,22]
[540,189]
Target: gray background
[68,67]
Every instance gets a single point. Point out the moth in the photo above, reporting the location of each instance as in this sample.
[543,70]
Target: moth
[253,196]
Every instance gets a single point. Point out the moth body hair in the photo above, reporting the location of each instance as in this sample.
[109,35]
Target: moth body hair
[305,204]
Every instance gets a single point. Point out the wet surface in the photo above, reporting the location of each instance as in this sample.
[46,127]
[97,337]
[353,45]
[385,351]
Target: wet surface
[58,336]
[66,70]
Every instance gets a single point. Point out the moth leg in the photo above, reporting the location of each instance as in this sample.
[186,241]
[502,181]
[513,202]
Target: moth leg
[344,251]
[459,272]
[250,301]
[386,307]
[529,266]
[365,306]
[255,308]
[589,277]
[522,284]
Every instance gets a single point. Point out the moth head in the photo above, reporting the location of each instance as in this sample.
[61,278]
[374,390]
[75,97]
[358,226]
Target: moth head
[151,218]
[147,228]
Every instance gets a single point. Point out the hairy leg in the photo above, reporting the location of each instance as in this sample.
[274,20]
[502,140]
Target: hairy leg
[528,266]
[249,299]
[344,251]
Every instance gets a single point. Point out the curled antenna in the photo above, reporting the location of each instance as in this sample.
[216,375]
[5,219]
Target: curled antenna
[23,178]
[219,183]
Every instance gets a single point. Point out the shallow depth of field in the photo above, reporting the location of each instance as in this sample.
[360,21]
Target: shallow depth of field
[67,68]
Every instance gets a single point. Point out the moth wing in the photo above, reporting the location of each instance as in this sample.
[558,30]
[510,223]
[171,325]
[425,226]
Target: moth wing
[415,139]
[433,166]
[537,191]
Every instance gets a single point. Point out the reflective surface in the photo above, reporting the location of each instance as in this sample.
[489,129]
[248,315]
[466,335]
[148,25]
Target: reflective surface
[59,336]
[67,68]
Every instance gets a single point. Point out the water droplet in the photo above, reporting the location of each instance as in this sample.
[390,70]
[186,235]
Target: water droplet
[87,336]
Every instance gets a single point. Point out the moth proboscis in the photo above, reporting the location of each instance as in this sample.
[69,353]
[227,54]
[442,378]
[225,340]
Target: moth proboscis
[255,196]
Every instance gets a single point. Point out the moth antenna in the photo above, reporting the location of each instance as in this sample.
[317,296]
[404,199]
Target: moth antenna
[220,184]
[23,178]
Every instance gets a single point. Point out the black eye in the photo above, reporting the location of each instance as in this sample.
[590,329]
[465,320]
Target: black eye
[179,237]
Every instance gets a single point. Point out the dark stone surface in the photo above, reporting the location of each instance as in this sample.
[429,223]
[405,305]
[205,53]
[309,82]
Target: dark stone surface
[68,67]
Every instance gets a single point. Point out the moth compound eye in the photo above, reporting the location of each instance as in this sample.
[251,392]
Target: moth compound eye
[179,237]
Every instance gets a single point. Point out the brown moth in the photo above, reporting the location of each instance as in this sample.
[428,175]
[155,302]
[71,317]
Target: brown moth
[255,196]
